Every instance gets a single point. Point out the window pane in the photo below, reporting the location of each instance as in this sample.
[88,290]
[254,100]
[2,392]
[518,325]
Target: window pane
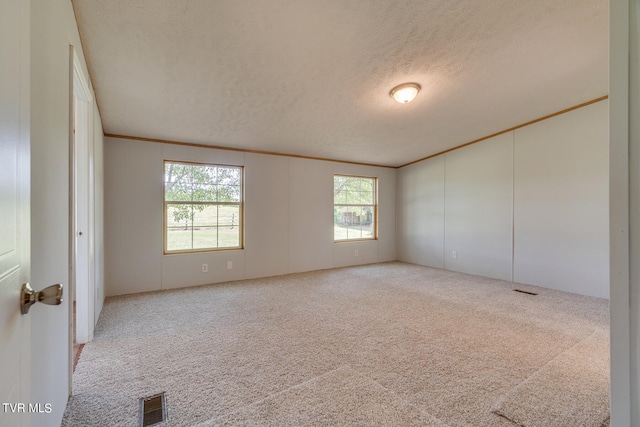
[179,227]
[354,222]
[228,176]
[361,185]
[229,193]
[368,198]
[205,174]
[235,193]
[367,222]
[229,225]
[354,184]
[353,190]
[205,234]
[339,193]
[360,198]
[178,182]
[203,193]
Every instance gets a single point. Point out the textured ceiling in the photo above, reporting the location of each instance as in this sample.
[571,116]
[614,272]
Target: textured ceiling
[312,78]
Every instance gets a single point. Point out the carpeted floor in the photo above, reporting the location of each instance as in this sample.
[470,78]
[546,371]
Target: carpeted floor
[382,344]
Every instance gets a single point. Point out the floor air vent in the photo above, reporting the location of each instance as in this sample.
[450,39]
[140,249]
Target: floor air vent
[525,292]
[153,410]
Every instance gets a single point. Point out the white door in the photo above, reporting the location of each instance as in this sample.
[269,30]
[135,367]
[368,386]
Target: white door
[15,329]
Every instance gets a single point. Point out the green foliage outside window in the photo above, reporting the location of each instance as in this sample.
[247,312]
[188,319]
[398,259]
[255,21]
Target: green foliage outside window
[202,206]
[354,211]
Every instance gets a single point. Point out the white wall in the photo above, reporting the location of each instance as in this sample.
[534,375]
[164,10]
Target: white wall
[133,245]
[561,202]
[268,251]
[528,205]
[420,207]
[288,218]
[311,215]
[53,30]
[479,207]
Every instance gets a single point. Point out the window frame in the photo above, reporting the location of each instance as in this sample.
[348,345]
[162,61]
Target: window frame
[240,204]
[374,206]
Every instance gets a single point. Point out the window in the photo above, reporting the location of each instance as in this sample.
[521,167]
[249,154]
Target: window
[202,207]
[354,208]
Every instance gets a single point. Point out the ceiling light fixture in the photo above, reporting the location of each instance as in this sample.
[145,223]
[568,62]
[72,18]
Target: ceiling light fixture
[405,92]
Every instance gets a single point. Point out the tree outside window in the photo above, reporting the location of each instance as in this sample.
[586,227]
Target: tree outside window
[203,207]
[354,208]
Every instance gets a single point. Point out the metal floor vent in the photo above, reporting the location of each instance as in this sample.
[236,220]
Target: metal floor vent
[525,292]
[153,410]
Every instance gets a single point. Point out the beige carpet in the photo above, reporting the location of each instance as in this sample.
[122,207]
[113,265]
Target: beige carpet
[383,344]
[362,402]
[572,389]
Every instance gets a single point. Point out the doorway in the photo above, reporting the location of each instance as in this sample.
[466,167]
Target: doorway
[82,261]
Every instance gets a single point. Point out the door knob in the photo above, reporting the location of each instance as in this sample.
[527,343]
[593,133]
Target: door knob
[51,295]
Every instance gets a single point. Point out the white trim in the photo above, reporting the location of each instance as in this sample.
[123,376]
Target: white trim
[82,199]
[623,383]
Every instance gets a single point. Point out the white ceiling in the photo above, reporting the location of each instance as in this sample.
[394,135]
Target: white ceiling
[312,77]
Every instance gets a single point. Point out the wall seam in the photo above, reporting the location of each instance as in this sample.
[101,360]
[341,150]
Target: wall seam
[164,213]
[243,231]
[289,216]
[444,211]
[513,203]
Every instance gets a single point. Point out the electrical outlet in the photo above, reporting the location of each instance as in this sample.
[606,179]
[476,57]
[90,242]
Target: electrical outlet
[356,254]
[454,254]
[229,265]
[205,268]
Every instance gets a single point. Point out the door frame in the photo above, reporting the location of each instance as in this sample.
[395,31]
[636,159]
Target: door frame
[81,207]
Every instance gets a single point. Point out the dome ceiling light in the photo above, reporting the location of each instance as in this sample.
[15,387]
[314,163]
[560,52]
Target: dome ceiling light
[405,92]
